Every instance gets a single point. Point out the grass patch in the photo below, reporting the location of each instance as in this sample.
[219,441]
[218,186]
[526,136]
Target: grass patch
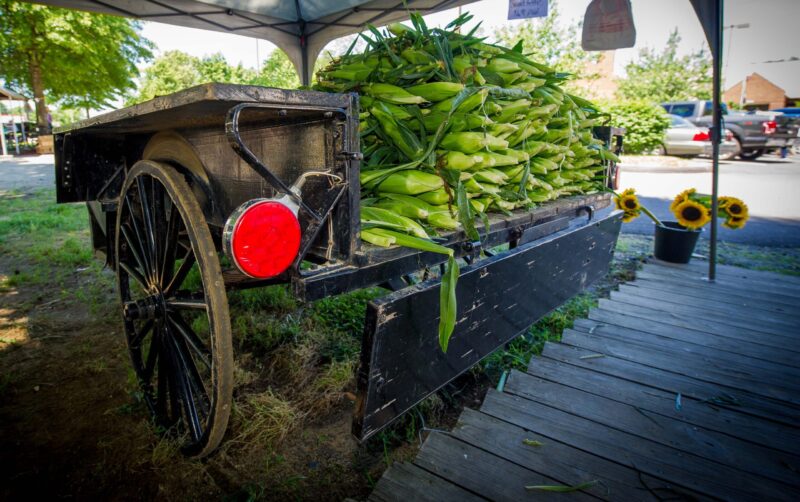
[264,419]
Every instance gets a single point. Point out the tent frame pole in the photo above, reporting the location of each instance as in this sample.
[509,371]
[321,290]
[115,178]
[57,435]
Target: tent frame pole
[716,135]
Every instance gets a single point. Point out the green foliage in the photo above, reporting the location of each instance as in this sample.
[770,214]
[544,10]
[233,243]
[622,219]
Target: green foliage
[278,71]
[550,42]
[664,76]
[83,60]
[345,313]
[170,72]
[645,124]
[176,70]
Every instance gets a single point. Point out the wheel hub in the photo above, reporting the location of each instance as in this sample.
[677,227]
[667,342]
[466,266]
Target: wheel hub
[151,307]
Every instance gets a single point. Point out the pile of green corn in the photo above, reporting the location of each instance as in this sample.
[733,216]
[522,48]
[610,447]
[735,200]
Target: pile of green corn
[453,128]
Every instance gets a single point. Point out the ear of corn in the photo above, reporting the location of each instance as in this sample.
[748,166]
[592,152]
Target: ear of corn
[411,182]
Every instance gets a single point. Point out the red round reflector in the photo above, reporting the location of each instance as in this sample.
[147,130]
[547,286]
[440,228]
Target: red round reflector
[265,239]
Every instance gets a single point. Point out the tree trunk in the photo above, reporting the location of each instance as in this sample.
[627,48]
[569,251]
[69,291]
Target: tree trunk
[37,84]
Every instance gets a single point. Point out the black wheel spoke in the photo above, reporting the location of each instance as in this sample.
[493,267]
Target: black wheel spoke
[180,275]
[171,237]
[152,358]
[181,303]
[198,387]
[192,340]
[139,234]
[134,273]
[149,226]
[134,249]
[138,337]
[185,392]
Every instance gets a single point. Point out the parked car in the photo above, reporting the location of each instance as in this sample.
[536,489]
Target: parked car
[789,112]
[686,139]
[754,134]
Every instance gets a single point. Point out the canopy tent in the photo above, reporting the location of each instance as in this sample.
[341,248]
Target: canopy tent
[301,28]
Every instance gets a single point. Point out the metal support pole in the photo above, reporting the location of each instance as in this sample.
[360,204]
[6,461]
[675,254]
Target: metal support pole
[14,132]
[3,138]
[716,135]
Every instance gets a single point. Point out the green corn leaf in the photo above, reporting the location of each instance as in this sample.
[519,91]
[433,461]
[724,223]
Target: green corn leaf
[465,213]
[447,303]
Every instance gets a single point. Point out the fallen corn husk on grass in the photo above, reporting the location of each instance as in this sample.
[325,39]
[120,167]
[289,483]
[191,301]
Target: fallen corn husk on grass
[464,128]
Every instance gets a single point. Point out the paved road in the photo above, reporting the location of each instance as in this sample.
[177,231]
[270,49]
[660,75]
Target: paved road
[26,172]
[770,187]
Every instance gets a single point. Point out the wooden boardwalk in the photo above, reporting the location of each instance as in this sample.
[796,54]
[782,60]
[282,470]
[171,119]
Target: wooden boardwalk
[674,388]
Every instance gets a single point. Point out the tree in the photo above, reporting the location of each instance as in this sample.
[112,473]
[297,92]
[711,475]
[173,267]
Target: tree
[550,42]
[215,68]
[664,76]
[176,70]
[278,71]
[170,72]
[82,59]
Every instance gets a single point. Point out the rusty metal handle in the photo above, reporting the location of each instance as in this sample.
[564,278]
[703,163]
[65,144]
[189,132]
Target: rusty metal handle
[589,212]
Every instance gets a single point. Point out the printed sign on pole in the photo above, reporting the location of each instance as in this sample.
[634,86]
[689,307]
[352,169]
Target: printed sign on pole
[523,9]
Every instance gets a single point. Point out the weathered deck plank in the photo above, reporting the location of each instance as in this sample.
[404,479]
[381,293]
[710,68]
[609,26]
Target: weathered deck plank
[687,409]
[675,388]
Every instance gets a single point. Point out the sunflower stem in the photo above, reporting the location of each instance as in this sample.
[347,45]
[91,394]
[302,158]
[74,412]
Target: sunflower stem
[651,215]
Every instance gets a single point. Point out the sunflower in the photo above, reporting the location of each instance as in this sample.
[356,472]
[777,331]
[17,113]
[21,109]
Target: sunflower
[734,223]
[628,217]
[681,197]
[691,214]
[629,203]
[735,208]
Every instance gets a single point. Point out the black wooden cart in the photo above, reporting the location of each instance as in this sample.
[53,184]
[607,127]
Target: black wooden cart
[163,180]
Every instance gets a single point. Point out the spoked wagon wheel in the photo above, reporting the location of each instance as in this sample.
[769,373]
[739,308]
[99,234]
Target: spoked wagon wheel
[175,309]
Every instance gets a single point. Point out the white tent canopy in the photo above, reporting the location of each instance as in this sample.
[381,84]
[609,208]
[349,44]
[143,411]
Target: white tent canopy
[301,28]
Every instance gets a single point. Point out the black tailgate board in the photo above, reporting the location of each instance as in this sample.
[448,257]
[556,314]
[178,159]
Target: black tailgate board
[498,299]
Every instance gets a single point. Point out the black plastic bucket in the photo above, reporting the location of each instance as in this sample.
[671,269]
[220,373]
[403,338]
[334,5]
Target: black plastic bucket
[674,243]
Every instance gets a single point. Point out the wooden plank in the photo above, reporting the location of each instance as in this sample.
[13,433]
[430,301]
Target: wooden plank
[749,283]
[701,324]
[699,368]
[740,345]
[498,298]
[740,363]
[404,482]
[773,323]
[674,383]
[691,411]
[713,303]
[720,287]
[731,271]
[696,473]
[568,465]
[667,431]
[481,472]
[762,300]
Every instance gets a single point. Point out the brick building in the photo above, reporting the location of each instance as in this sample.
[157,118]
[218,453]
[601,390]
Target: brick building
[604,84]
[758,93]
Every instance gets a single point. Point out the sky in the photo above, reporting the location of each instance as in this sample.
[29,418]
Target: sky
[772,35]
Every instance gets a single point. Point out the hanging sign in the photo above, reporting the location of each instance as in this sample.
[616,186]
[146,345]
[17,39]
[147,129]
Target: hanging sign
[523,9]
[608,25]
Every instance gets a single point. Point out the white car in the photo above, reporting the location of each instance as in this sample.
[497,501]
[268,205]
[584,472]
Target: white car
[687,140]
